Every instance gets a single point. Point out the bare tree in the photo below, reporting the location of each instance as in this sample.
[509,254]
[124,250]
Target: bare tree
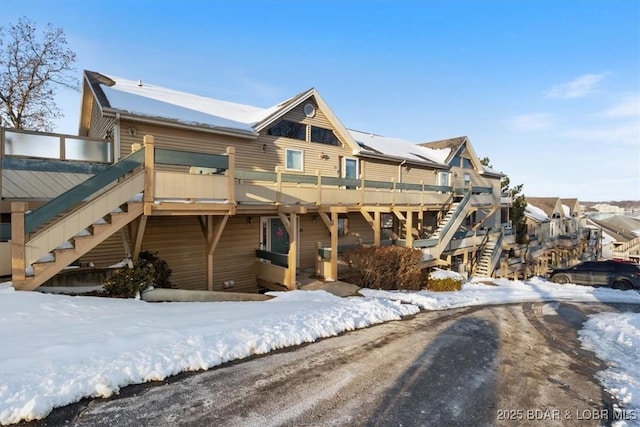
[32,65]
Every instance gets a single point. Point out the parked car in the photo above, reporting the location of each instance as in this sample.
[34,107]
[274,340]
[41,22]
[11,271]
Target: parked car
[616,274]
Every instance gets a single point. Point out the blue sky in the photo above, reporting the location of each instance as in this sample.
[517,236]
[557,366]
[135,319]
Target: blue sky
[549,90]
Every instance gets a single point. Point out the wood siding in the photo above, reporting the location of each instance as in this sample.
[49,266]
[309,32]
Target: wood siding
[100,127]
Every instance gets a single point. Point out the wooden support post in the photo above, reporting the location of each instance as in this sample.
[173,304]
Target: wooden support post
[409,230]
[212,239]
[319,188]
[377,228]
[149,173]
[334,245]
[18,263]
[136,237]
[231,173]
[278,185]
[293,250]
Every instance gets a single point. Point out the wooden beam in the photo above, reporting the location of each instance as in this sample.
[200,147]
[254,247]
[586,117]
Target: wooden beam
[338,209]
[374,222]
[298,209]
[212,238]
[286,223]
[137,229]
[334,245]
[325,218]
[149,173]
[293,252]
[18,263]
[399,214]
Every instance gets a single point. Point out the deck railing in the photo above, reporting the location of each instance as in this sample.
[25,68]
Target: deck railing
[23,143]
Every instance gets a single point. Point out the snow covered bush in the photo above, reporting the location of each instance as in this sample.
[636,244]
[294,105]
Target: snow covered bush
[130,282]
[385,267]
[443,281]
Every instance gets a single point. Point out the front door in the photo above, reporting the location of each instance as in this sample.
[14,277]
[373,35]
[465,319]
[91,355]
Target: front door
[274,236]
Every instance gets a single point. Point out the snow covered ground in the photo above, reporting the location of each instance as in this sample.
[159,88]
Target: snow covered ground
[57,349]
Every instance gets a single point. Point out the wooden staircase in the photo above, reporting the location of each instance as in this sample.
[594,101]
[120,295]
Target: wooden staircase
[49,239]
[48,266]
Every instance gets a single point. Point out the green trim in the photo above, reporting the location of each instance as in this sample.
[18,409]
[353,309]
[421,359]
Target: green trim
[299,179]
[5,231]
[185,158]
[281,260]
[256,176]
[52,165]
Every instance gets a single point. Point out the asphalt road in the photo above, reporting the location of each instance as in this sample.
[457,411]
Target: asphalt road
[511,365]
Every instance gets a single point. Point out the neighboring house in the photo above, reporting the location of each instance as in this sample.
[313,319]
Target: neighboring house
[624,233]
[236,197]
[558,233]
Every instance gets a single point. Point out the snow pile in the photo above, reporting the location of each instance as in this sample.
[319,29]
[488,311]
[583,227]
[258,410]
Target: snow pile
[55,350]
[615,338]
[505,291]
[439,274]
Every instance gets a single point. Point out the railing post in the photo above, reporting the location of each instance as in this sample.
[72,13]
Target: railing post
[319,187]
[63,148]
[231,174]
[149,172]
[393,191]
[18,263]
[278,185]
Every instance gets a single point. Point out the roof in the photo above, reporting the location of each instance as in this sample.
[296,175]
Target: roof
[547,204]
[141,99]
[376,144]
[625,228]
[535,213]
[454,145]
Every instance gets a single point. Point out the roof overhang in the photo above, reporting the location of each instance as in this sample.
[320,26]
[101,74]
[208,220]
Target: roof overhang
[111,112]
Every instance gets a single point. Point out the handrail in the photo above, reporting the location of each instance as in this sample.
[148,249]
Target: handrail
[281,260]
[478,252]
[460,208]
[335,181]
[444,209]
[77,194]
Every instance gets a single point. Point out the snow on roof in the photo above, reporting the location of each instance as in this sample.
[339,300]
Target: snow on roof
[535,213]
[144,99]
[398,148]
[607,239]
[567,211]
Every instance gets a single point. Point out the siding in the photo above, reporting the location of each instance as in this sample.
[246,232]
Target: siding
[100,126]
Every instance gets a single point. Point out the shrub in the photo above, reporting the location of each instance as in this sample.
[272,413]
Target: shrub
[385,267]
[444,281]
[162,272]
[444,285]
[130,282]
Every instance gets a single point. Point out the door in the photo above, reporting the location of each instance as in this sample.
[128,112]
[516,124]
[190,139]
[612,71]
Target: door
[351,170]
[274,236]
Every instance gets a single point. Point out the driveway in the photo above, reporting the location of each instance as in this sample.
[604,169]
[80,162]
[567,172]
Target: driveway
[517,364]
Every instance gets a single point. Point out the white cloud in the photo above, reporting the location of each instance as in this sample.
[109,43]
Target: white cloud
[530,122]
[577,88]
[625,133]
[629,106]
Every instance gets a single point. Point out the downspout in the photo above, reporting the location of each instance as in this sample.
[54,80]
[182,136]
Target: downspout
[400,170]
[116,138]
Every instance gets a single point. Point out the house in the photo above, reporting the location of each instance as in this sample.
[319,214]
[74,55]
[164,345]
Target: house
[236,197]
[558,234]
[623,236]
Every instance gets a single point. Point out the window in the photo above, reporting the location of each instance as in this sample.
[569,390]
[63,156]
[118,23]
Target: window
[466,163]
[323,136]
[467,179]
[289,129]
[294,160]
